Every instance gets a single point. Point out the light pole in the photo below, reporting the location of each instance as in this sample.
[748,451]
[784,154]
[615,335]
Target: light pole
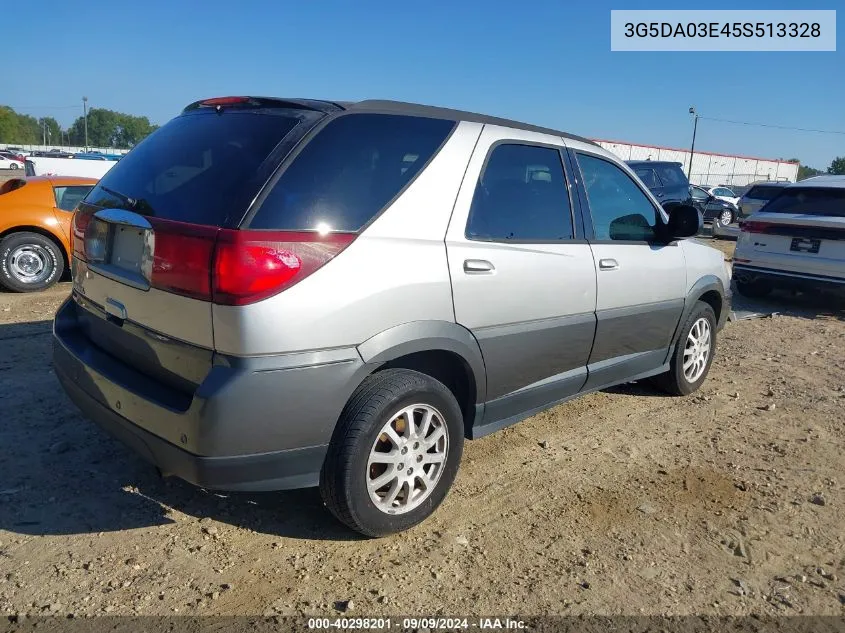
[692,148]
[85,116]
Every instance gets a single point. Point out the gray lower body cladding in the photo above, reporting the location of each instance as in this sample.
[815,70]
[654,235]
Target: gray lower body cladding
[251,424]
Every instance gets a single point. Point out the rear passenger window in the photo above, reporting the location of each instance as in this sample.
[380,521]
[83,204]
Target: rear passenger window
[349,171]
[521,195]
[648,177]
[620,210]
[68,197]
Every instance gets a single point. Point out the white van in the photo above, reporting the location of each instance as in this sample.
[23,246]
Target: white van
[43,166]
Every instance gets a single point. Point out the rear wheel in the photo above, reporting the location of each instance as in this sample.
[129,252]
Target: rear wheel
[725,217]
[757,289]
[693,355]
[29,262]
[394,454]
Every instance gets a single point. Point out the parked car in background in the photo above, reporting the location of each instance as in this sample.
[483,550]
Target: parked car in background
[12,155]
[758,194]
[43,166]
[238,317]
[10,163]
[665,179]
[723,193]
[35,220]
[713,209]
[797,240]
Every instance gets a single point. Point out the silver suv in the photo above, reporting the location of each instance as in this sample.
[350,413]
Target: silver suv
[282,293]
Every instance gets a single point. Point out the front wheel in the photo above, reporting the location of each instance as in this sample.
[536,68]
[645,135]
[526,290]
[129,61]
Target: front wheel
[29,262]
[693,355]
[394,454]
[13,166]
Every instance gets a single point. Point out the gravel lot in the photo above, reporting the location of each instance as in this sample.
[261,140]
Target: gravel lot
[729,501]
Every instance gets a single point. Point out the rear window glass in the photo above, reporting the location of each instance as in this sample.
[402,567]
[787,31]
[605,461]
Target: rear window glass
[809,201]
[200,168]
[349,171]
[763,192]
[672,175]
[68,197]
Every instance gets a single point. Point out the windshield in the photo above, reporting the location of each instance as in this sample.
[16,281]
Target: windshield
[809,201]
[202,168]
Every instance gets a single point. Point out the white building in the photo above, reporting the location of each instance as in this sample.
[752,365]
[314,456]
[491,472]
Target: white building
[709,168]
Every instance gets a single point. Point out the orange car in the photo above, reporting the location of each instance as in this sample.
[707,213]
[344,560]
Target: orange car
[35,216]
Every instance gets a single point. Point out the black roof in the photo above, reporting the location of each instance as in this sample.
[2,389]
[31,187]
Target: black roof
[416,109]
[401,107]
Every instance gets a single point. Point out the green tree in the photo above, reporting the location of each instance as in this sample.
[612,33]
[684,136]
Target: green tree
[837,167]
[107,128]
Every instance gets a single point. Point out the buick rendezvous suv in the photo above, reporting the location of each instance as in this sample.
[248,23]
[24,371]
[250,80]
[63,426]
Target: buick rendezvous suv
[283,293]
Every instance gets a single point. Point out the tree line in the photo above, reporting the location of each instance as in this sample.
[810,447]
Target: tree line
[106,128]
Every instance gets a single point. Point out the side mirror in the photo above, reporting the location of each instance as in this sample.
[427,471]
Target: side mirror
[684,221]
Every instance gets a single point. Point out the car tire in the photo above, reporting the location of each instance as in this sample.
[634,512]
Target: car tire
[29,262]
[362,445]
[725,218]
[13,166]
[757,289]
[681,380]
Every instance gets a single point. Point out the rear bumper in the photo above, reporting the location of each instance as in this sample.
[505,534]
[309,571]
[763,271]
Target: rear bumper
[252,424]
[786,279]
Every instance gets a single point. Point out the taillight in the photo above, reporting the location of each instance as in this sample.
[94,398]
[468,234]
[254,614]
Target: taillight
[750,226]
[77,233]
[253,265]
[182,258]
[233,267]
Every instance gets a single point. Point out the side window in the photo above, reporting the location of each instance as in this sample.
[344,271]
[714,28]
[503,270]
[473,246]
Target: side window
[648,177]
[68,197]
[349,171]
[620,210]
[672,175]
[699,195]
[521,195]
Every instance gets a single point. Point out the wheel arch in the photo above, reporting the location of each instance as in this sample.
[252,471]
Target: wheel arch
[443,350]
[710,290]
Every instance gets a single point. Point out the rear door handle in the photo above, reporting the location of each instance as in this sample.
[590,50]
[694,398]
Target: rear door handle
[608,264]
[478,267]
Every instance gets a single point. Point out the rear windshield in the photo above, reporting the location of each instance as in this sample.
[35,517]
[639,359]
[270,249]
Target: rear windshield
[349,171]
[763,192]
[809,201]
[202,167]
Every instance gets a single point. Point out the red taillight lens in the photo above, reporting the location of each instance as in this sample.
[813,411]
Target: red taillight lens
[232,267]
[754,227]
[182,258]
[253,265]
[77,233]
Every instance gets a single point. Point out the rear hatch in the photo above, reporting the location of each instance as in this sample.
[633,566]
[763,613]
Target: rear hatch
[144,237]
[802,230]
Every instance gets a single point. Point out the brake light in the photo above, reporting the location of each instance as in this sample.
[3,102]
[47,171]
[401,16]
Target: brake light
[253,265]
[236,267]
[182,258]
[221,101]
[755,227]
[77,234]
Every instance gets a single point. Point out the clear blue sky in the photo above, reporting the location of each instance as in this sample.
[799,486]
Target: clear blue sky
[545,62]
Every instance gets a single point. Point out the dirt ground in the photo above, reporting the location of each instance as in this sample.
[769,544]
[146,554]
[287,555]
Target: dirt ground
[729,501]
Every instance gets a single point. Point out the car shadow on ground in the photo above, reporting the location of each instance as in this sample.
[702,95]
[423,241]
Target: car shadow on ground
[805,305]
[61,474]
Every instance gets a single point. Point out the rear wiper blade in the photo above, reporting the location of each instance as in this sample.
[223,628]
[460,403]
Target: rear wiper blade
[131,202]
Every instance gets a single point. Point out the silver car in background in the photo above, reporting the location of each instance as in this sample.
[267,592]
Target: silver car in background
[757,195]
